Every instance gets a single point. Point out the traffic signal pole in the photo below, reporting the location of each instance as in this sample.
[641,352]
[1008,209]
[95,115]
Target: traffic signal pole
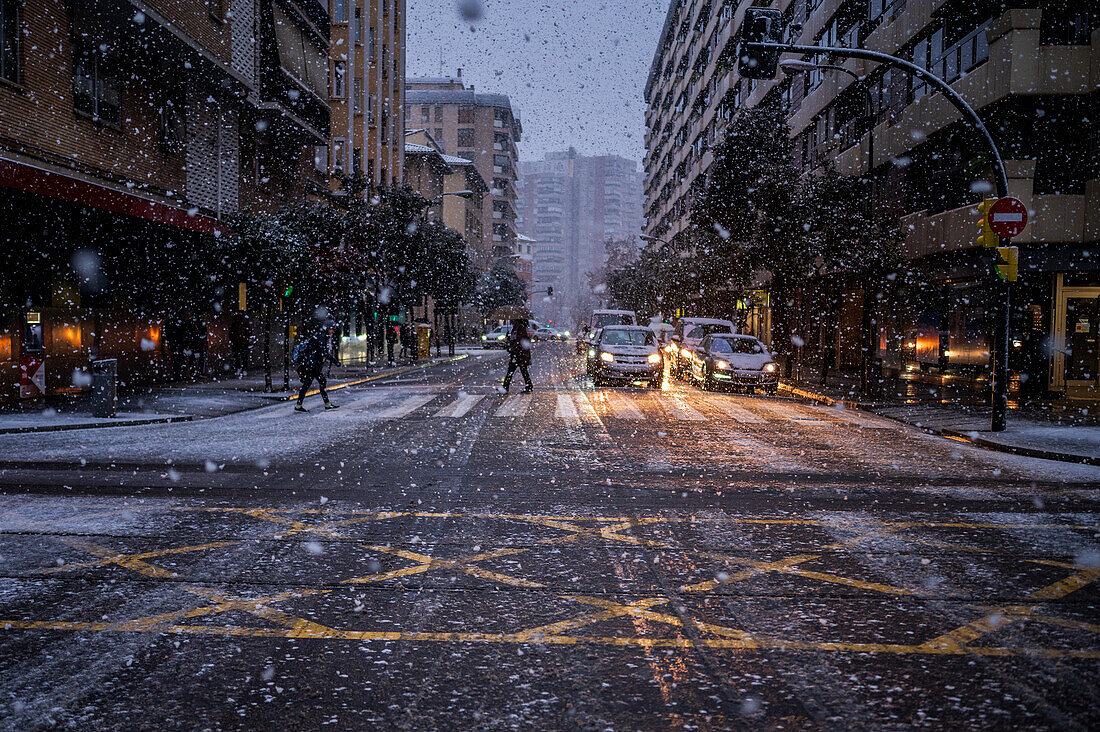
[999,401]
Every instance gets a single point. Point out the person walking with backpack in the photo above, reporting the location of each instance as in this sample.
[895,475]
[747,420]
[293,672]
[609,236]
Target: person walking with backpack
[310,356]
[518,345]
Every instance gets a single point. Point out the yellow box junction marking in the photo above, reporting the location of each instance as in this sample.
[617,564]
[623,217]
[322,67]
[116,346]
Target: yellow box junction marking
[569,529]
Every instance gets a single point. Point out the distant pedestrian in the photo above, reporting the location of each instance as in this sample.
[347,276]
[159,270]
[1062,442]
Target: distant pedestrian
[310,356]
[518,345]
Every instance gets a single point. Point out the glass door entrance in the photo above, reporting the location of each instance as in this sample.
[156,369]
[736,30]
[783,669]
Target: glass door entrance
[1082,352]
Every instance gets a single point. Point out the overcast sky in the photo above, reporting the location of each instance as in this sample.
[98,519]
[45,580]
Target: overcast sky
[576,69]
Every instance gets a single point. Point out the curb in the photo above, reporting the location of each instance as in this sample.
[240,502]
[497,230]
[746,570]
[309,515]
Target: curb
[947,433]
[96,425]
[191,418]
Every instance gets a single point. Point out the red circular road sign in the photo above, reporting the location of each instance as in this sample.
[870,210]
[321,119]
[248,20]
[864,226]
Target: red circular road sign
[1007,217]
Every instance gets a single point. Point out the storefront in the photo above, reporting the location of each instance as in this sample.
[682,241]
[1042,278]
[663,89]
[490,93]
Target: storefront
[1075,369]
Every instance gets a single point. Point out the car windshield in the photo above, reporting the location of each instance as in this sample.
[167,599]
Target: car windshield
[738,345]
[606,319]
[628,338]
[706,329]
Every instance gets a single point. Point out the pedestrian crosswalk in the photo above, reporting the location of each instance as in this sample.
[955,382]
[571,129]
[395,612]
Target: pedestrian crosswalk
[577,407]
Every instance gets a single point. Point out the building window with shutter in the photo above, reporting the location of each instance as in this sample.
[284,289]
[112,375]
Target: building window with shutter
[9,40]
[465,138]
[372,43]
[338,156]
[95,84]
[466,115]
[425,114]
[339,11]
[339,80]
[438,113]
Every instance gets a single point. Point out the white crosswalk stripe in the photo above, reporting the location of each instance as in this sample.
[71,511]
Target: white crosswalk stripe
[514,406]
[678,409]
[567,409]
[405,407]
[790,414]
[852,416]
[740,414]
[623,408]
[460,406]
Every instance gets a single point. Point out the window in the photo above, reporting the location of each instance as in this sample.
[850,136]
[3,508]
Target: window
[425,114]
[466,138]
[320,158]
[371,103]
[466,115]
[339,11]
[339,80]
[438,113]
[338,156]
[357,27]
[172,131]
[96,87]
[372,42]
[357,160]
[438,135]
[9,40]
[357,95]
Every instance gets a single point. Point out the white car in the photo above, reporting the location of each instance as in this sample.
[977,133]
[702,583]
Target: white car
[496,337]
[625,354]
[686,337]
[737,361]
[602,318]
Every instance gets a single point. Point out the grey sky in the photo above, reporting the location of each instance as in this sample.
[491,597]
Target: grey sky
[576,69]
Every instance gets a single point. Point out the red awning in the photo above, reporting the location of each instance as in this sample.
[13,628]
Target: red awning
[56,185]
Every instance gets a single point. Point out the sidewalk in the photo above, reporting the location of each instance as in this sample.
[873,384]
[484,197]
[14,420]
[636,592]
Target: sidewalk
[1042,428]
[186,401]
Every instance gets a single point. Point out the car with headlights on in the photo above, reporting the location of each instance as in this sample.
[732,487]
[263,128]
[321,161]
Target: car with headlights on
[496,337]
[625,354]
[734,361]
[686,338]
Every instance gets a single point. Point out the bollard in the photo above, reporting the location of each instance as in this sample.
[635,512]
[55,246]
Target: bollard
[104,387]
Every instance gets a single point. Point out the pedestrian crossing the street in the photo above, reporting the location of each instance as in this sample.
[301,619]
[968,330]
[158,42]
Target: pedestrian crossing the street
[581,407]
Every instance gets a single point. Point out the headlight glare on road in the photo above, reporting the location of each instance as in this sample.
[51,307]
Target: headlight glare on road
[770,368]
[654,358]
[607,357]
[722,365]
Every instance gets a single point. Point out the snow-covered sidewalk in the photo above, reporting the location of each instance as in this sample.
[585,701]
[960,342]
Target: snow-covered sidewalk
[166,403]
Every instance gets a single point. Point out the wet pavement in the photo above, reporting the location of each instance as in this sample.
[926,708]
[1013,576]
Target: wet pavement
[434,555]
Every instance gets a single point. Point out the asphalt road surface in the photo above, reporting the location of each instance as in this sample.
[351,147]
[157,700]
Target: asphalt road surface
[435,555]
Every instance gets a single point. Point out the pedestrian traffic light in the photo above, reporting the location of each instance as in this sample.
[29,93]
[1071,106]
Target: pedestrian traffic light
[761,25]
[986,237]
[1008,263]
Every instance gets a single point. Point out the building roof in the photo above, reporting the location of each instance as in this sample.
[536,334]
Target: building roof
[454,160]
[456,96]
[411,148]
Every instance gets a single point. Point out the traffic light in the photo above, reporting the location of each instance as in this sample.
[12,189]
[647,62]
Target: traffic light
[986,237]
[549,291]
[761,25]
[1008,263]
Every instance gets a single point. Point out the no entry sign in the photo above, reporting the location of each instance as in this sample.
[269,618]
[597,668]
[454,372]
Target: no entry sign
[1008,217]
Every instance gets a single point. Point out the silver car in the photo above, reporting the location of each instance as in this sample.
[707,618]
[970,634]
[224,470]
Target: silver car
[624,354]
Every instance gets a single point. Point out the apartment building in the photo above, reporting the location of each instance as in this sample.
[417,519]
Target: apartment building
[479,127]
[1031,72]
[128,132]
[366,91]
[571,204]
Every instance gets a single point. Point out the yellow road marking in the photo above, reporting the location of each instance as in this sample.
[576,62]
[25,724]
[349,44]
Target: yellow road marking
[129,561]
[462,564]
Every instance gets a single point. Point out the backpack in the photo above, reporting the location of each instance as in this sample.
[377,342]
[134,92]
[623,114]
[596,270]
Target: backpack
[299,352]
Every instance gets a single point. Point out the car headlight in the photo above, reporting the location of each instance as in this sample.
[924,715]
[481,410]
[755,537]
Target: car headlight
[770,368]
[606,357]
[685,352]
[654,358]
[722,365]
[484,338]
[591,352]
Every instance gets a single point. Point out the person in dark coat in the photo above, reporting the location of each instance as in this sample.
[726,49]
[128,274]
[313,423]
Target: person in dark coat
[312,354]
[519,354]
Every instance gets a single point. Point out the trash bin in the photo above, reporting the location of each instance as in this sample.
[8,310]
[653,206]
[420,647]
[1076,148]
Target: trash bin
[423,340]
[104,387]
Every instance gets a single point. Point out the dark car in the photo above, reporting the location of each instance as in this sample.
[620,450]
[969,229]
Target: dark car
[737,361]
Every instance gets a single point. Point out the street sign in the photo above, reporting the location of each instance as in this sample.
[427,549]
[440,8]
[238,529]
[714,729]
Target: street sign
[1008,217]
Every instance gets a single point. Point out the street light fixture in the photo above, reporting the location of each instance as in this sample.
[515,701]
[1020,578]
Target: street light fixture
[460,194]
